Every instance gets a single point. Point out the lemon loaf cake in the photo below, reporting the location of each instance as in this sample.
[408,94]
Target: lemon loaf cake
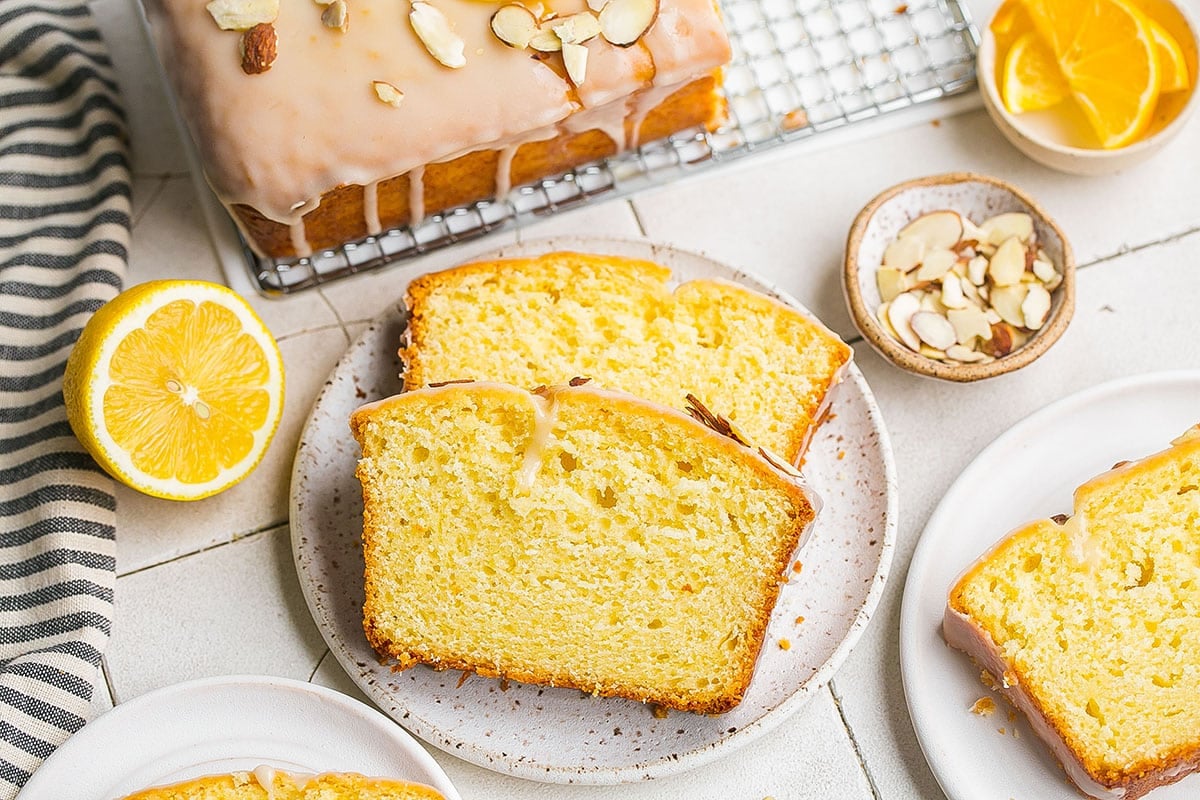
[533,321]
[572,536]
[343,118]
[1091,624]
[265,783]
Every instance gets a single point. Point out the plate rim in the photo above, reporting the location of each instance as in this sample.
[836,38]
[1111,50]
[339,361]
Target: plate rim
[437,777]
[919,565]
[668,764]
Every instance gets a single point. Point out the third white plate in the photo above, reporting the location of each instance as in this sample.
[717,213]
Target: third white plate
[1028,473]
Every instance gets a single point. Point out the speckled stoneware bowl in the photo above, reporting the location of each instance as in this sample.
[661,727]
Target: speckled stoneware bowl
[563,735]
[1059,138]
[977,197]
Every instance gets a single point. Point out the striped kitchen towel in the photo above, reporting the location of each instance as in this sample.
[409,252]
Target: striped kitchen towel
[64,234]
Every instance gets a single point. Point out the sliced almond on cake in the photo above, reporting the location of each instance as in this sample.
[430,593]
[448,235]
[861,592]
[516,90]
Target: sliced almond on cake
[242,15]
[388,93]
[515,25]
[434,31]
[623,22]
[575,60]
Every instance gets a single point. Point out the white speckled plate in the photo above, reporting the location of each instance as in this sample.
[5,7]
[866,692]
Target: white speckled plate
[561,735]
[228,724]
[1028,473]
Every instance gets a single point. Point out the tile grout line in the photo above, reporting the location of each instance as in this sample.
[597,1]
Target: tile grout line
[637,218]
[1128,250]
[320,661]
[837,702]
[336,315]
[107,676]
[154,195]
[232,540]
[332,326]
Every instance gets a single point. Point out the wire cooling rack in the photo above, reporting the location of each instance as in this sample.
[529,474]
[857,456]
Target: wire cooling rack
[799,68]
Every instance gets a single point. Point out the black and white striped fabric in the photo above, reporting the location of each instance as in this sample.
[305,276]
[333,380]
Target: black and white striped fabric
[64,234]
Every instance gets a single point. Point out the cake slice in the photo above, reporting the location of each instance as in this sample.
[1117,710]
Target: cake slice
[531,321]
[1091,624]
[265,783]
[573,536]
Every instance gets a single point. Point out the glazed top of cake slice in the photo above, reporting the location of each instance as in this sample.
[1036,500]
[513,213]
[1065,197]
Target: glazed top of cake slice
[278,140]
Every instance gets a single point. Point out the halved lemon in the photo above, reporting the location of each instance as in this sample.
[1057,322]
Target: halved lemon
[1107,53]
[175,388]
[1032,79]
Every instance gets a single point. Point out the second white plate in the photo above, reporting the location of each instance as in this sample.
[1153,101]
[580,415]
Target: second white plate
[560,735]
[1028,473]
[229,724]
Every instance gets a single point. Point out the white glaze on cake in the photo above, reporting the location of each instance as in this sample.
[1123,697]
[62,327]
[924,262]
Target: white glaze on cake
[279,140]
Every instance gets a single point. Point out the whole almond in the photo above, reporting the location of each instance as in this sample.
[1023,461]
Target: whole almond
[260,46]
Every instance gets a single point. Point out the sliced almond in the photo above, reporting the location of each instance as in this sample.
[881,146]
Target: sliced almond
[964,354]
[891,282]
[577,28]
[969,324]
[575,60]
[932,301]
[971,293]
[938,229]
[992,316]
[546,41]
[1001,342]
[1008,264]
[932,352]
[881,314]
[1044,270]
[388,93]
[971,231]
[597,5]
[336,16]
[623,22]
[933,329]
[1035,307]
[952,292]
[900,312]
[936,263]
[1007,226]
[242,15]
[515,25]
[904,254]
[1007,302]
[977,270]
[434,31]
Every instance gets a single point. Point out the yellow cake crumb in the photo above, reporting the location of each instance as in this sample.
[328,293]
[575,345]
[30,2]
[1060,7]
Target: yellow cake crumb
[984,706]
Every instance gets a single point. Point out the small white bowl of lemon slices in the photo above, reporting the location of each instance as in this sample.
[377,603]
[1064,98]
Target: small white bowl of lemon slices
[1124,84]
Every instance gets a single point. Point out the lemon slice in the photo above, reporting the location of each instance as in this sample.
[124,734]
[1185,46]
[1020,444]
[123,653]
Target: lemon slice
[1107,53]
[1032,79]
[1174,75]
[175,388]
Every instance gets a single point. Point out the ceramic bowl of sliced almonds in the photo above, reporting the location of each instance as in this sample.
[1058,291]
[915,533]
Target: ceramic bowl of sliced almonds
[959,277]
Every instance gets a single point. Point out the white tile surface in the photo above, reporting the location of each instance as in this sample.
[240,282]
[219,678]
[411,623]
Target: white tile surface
[154,140]
[610,218]
[235,609]
[151,531]
[937,428]
[810,755]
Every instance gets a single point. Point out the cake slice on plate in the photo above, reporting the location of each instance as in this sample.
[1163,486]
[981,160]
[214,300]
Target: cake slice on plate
[573,536]
[763,365]
[1090,624]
